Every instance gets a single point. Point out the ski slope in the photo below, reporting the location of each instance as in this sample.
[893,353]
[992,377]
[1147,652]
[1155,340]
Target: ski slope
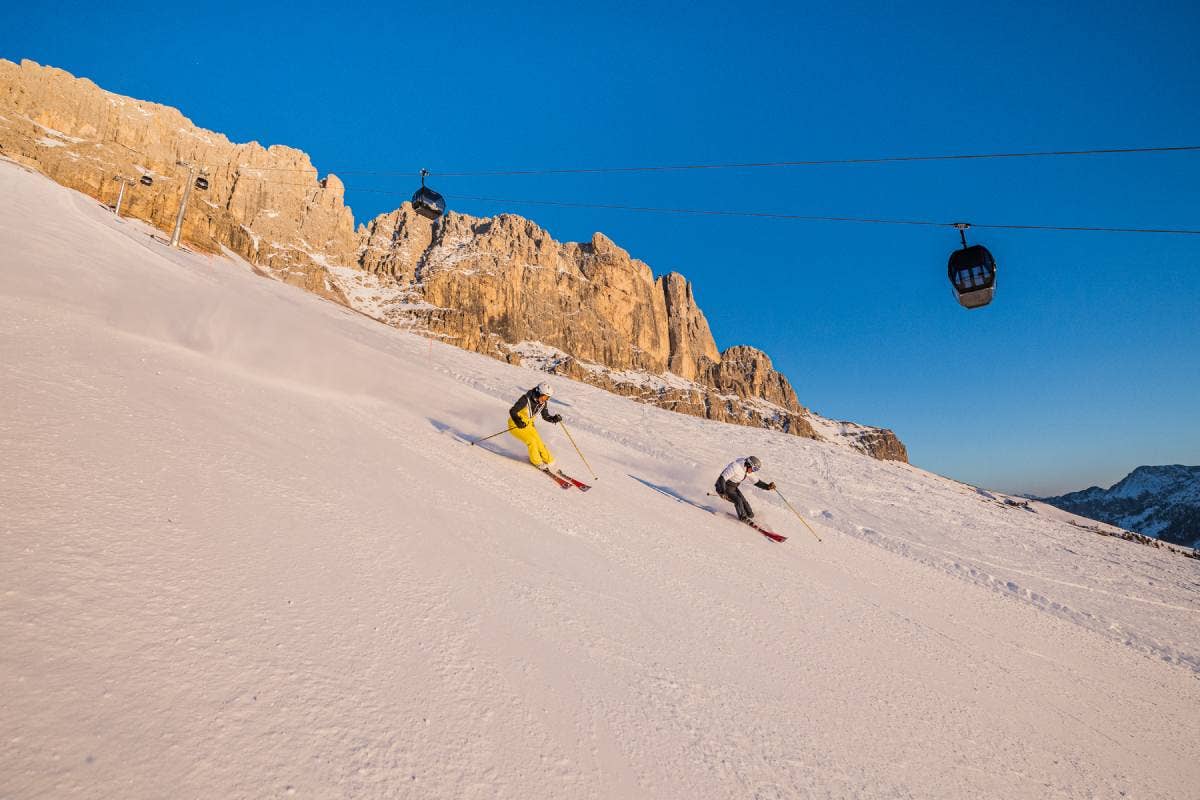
[245,552]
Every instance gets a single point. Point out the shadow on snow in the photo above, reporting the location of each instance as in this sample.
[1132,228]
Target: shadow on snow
[673,494]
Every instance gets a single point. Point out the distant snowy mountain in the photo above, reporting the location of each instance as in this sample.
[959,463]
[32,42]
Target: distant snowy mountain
[1163,502]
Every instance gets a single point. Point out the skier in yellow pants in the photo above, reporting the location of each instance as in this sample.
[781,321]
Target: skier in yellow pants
[521,423]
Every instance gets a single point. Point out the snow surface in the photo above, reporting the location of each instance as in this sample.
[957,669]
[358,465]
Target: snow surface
[245,553]
[378,299]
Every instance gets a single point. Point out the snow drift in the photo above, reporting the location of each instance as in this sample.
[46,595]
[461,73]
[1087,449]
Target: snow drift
[246,553]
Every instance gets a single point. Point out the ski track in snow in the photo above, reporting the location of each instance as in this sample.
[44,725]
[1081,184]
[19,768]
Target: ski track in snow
[247,553]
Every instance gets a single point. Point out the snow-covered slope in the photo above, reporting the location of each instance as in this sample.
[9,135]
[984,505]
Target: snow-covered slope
[245,553]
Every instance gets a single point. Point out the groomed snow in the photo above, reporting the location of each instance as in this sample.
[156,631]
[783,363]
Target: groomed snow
[244,553]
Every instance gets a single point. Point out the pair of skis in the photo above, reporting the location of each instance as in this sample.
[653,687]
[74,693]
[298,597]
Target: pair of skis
[772,535]
[564,480]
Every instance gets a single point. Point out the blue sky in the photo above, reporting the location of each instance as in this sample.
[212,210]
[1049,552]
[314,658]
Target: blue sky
[1086,365]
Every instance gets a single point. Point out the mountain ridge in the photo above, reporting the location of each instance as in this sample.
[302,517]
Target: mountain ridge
[1158,501]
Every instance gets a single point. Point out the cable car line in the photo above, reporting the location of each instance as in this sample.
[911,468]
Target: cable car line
[433,206]
[815,218]
[736,213]
[747,164]
[820,162]
[971,270]
[1088,229]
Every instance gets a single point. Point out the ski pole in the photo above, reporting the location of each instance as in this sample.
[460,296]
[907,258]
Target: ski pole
[493,436]
[595,477]
[797,513]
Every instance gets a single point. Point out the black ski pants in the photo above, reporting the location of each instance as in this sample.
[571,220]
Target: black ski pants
[733,494]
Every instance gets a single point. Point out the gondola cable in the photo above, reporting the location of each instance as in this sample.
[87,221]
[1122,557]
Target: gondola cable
[821,162]
[971,269]
[748,164]
[816,218]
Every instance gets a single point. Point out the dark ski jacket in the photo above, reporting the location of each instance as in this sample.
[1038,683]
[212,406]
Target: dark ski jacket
[529,402]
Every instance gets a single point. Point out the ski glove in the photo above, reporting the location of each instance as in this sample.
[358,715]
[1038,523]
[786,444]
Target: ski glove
[557,418]
[768,486]
[520,423]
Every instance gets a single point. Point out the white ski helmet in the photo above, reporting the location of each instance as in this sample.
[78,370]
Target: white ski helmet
[543,388]
[753,464]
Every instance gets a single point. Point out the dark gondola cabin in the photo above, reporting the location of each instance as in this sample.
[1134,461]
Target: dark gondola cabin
[146,180]
[201,182]
[427,202]
[972,272]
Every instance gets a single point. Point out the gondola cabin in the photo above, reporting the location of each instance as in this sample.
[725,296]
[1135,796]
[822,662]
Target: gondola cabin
[146,180]
[972,273]
[427,202]
[202,182]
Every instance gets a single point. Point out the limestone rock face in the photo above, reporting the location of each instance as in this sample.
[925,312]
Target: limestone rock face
[881,443]
[501,286]
[747,374]
[82,136]
[504,279]
[392,244]
[690,339]
[488,284]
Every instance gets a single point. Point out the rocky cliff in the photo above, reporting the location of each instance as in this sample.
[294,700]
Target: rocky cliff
[501,286]
[265,204]
[588,310]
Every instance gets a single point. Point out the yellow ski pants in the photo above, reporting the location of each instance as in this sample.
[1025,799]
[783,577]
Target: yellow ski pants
[539,454]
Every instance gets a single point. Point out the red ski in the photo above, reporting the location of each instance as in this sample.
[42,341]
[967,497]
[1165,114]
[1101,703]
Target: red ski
[578,484]
[562,483]
[772,535]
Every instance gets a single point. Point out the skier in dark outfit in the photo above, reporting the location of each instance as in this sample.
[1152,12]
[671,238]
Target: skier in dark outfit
[521,423]
[727,484]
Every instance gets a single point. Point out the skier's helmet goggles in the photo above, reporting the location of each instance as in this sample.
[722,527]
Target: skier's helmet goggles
[753,464]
